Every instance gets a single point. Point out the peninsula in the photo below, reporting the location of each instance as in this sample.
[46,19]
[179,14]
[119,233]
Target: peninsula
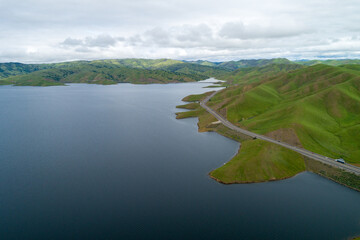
[314,108]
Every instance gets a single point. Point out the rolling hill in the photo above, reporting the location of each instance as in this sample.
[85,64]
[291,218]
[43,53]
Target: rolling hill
[14,69]
[152,70]
[106,72]
[316,107]
[254,74]
[331,62]
[233,65]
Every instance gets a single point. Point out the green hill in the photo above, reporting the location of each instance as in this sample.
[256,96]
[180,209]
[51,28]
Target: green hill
[332,62]
[254,74]
[205,63]
[141,63]
[13,69]
[317,106]
[99,75]
[169,65]
[106,72]
[233,65]
[153,70]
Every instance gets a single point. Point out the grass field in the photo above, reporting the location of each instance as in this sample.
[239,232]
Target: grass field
[138,71]
[321,104]
[256,161]
[316,107]
[259,161]
[196,97]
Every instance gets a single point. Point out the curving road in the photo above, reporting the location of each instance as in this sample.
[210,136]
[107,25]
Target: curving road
[315,156]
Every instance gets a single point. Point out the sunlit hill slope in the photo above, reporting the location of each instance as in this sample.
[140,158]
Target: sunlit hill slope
[319,106]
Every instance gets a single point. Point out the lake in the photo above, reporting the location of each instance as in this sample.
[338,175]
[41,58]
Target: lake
[112,162]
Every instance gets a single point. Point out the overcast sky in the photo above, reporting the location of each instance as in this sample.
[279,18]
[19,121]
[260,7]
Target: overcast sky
[54,30]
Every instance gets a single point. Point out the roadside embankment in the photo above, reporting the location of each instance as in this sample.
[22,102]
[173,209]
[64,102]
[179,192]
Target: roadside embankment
[340,176]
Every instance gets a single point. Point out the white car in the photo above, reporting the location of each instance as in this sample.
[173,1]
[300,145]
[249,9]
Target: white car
[340,160]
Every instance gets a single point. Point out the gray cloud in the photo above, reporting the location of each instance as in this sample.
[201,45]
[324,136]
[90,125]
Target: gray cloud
[73,42]
[102,41]
[36,31]
[156,36]
[189,33]
[252,31]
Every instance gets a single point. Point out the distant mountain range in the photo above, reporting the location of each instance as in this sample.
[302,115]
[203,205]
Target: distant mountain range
[105,72]
[148,70]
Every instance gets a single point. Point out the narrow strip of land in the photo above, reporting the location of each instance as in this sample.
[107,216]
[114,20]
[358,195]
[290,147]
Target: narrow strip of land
[315,156]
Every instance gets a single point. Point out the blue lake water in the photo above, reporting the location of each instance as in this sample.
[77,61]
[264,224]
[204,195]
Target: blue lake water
[112,162]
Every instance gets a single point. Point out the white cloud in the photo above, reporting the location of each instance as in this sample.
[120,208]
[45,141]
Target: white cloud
[252,31]
[72,42]
[35,31]
[103,41]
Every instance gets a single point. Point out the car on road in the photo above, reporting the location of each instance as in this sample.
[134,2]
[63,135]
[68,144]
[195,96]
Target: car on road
[340,160]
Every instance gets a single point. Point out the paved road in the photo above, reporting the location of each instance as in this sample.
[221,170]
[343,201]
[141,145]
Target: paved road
[318,157]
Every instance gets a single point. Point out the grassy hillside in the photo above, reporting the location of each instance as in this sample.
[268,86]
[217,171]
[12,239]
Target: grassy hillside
[254,74]
[140,63]
[334,62]
[168,65]
[259,161]
[152,71]
[319,106]
[13,69]
[256,161]
[205,63]
[106,72]
[99,75]
[233,65]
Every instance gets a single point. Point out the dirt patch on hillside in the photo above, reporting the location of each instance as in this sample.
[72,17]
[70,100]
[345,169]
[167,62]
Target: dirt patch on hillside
[287,135]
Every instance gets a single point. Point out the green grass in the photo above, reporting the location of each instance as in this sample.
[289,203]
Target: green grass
[154,71]
[188,114]
[317,107]
[335,62]
[320,103]
[99,75]
[196,97]
[190,106]
[138,71]
[233,65]
[258,73]
[259,161]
